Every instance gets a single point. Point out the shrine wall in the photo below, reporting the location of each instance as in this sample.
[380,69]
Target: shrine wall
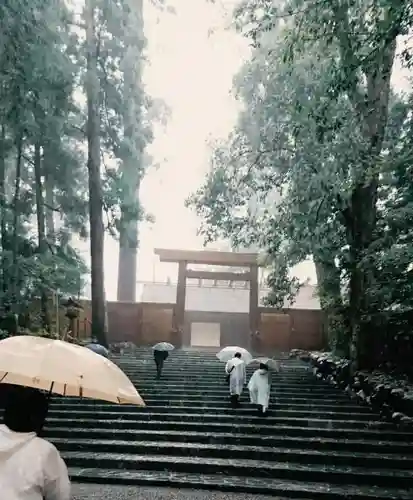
[148,323]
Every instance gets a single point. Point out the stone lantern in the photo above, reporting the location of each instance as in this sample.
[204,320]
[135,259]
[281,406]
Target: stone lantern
[73,309]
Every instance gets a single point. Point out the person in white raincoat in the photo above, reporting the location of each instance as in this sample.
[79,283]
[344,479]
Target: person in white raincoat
[31,468]
[235,369]
[260,387]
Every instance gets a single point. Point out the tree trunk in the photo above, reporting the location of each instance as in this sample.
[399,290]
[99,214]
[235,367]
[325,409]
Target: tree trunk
[41,231]
[132,163]
[362,213]
[3,227]
[370,105]
[99,326]
[329,288]
[49,193]
[15,302]
[128,256]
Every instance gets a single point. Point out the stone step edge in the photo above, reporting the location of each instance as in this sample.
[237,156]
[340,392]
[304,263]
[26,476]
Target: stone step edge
[196,410]
[184,386]
[280,399]
[202,418]
[289,489]
[264,439]
[148,372]
[242,464]
[168,376]
[220,383]
[408,459]
[93,404]
[222,387]
[368,430]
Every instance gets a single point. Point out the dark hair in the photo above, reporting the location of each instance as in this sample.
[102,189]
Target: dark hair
[263,366]
[237,355]
[25,409]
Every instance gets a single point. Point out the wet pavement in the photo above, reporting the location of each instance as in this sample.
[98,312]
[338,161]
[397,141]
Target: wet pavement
[188,443]
[102,492]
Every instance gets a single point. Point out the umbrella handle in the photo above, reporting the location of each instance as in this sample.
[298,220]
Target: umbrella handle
[50,392]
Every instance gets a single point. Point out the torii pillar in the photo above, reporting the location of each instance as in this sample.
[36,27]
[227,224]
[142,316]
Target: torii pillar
[254,312]
[178,318]
[216,258]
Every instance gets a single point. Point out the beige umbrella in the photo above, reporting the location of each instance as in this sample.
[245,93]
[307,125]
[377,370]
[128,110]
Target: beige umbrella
[62,368]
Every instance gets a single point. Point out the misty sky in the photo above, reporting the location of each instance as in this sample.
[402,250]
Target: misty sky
[192,71]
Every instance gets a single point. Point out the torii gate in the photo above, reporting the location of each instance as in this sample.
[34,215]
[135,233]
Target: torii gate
[216,258]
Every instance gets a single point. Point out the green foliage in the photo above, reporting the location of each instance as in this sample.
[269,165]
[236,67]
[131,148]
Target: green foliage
[319,162]
[44,196]
[38,118]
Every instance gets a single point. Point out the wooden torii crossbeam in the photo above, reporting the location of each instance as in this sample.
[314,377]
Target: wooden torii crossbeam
[215,258]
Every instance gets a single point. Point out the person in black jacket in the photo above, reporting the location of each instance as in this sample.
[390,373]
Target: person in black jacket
[159,357]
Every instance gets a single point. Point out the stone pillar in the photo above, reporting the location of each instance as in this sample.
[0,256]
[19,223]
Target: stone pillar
[179,312]
[254,312]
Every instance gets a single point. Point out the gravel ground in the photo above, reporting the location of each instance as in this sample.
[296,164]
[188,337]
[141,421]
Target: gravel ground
[95,492]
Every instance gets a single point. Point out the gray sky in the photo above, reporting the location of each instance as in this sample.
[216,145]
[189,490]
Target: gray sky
[192,72]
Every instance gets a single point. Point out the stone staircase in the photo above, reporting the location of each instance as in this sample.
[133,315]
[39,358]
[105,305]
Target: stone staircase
[315,443]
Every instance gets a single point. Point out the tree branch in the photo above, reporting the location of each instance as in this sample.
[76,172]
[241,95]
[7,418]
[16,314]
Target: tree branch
[54,209]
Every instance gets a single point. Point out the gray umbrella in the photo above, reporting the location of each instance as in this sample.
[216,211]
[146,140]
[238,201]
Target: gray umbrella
[98,349]
[163,346]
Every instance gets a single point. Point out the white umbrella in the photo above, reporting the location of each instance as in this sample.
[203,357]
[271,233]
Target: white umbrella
[163,346]
[229,352]
[62,368]
[273,364]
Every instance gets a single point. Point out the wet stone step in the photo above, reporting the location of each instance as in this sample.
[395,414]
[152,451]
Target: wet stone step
[185,379]
[314,443]
[376,460]
[90,418]
[87,491]
[342,398]
[167,377]
[255,468]
[211,371]
[175,358]
[150,376]
[345,405]
[209,368]
[214,374]
[189,395]
[221,405]
[177,361]
[330,403]
[221,383]
[327,430]
[224,395]
[160,389]
[155,384]
[85,411]
[274,487]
